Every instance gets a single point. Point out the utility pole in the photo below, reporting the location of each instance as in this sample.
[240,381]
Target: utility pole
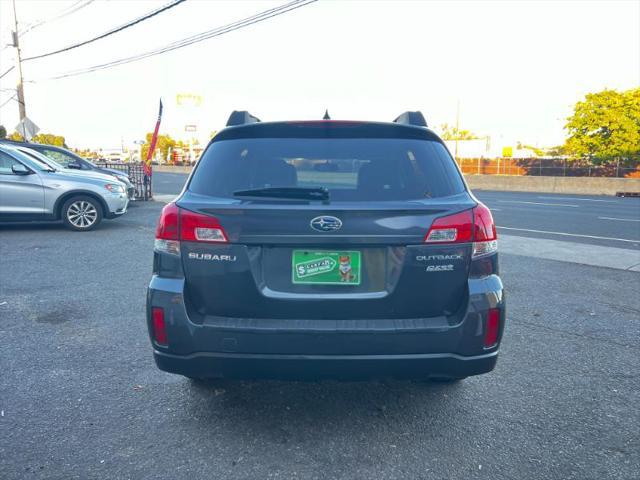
[20,88]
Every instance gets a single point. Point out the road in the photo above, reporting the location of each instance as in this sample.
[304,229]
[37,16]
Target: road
[80,397]
[589,219]
[168,183]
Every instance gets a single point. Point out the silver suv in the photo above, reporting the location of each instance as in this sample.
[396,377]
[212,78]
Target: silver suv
[31,190]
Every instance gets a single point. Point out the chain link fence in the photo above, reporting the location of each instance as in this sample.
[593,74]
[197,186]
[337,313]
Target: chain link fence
[549,167]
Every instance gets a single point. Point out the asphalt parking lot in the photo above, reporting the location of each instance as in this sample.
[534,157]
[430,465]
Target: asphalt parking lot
[80,396]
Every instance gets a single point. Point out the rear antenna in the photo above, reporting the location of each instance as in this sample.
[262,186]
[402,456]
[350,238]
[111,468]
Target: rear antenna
[326,115]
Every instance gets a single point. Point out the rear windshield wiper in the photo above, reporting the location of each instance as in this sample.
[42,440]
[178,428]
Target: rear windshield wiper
[318,193]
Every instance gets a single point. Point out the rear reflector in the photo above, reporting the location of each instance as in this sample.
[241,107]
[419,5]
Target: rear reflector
[159,327]
[177,224]
[492,329]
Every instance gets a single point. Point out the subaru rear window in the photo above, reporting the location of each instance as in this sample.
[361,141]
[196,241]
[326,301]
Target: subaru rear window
[351,169]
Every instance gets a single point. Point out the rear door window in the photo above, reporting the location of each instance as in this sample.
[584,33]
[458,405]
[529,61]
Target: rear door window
[59,157]
[352,169]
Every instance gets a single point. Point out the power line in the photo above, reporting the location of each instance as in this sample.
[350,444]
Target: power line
[260,17]
[110,32]
[7,71]
[63,13]
[7,101]
[67,11]
[196,38]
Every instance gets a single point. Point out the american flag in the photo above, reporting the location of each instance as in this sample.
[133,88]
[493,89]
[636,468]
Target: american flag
[154,140]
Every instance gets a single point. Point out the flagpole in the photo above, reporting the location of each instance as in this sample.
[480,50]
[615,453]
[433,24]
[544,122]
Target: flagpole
[152,146]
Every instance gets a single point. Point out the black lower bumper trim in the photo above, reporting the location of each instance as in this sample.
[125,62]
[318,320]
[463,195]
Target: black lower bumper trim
[234,365]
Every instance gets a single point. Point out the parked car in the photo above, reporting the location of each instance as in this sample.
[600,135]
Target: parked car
[34,190]
[326,248]
[43,159]
[73,161]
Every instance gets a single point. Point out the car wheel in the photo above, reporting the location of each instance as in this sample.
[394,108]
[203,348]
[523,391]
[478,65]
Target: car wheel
[81,213]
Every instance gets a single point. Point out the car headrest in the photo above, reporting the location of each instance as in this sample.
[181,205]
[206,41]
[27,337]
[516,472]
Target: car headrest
[274,172]
[376,176]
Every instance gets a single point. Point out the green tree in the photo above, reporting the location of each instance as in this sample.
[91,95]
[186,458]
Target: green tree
[162,146]
[537,151]
[3,132]
[557,151]
[49,139]
[605,126]
[16,137]
[452,133]
[86,153]
[44,138]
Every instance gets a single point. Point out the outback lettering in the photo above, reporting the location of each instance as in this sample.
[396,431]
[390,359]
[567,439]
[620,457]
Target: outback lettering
[423,258]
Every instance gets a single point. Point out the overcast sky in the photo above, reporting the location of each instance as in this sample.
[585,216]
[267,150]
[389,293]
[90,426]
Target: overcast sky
[515,67]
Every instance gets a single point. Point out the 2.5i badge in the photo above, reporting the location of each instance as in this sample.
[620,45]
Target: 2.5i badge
[325,268]
[440,268]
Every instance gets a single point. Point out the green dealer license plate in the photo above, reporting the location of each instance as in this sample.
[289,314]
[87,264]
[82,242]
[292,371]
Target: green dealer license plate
[325,268]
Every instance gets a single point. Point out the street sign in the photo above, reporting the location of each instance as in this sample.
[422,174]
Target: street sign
[27,129]
[188,100]
[190,128]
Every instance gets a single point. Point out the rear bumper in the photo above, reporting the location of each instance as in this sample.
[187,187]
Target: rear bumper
[234,365]
[268,348]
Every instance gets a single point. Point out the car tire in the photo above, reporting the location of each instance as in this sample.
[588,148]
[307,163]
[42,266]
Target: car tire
[81,213]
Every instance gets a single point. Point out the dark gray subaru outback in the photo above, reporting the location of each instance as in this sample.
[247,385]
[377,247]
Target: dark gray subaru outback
[315,249]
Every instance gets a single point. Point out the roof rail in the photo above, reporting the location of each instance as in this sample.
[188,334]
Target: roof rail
[412,118]
[241,117]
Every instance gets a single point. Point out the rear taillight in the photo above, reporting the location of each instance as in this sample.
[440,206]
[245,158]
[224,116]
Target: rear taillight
[475,225]
[167,228]
[485,229]
[167,231]
[195,227]
[493,328]
[159,326]
[451,229]
[176,224]
[485,238]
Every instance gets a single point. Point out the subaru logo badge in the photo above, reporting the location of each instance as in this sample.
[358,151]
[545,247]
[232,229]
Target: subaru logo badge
[326,223]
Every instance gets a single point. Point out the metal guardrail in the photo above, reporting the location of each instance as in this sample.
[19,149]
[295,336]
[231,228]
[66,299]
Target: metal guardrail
[135,171]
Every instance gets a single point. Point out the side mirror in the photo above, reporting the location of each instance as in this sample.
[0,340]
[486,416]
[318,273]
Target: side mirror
[20,169]
[75,166]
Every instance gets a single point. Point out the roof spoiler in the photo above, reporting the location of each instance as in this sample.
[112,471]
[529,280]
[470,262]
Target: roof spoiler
[412,118]
[241,117]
